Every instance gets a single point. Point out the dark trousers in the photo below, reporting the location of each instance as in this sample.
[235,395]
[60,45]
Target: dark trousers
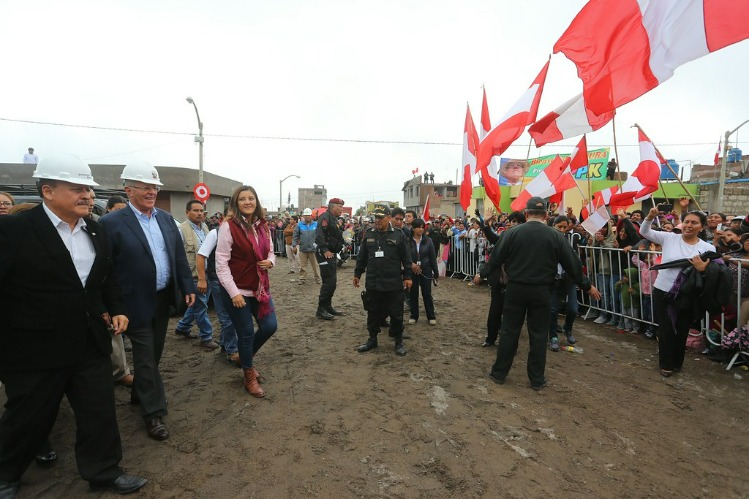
[496,309]
[384,304]
[148,346]
[672,338]
[561,290]
[328,267]
[31,410]
[250,340]
[421,282]
[522,300]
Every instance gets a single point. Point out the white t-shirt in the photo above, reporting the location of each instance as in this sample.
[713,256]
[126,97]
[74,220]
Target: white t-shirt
[472,234]
[674,248]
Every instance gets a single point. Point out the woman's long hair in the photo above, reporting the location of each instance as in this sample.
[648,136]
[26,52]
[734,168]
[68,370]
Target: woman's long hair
[235,214]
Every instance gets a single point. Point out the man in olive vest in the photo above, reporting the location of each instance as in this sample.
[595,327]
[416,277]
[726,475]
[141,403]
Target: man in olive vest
[194,231]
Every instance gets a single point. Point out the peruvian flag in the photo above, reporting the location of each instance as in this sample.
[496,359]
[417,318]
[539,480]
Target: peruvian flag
[598,219]
[470,149]
[552,180]
[624,48]
[511,126]
[425,215]
[568,120]
[489,174]
[579,156]
[600,198]
[717,153]
[644,180]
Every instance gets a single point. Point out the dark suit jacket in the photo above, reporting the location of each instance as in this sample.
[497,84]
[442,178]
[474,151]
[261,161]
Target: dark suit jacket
[135,265]
[46,315]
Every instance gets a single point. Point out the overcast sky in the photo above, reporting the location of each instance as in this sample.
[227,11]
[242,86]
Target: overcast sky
[331,72]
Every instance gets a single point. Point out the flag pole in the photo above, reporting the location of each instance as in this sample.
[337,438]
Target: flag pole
[616,152]
[672,172]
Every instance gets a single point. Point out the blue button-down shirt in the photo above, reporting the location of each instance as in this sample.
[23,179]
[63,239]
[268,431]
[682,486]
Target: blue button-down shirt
[157,244]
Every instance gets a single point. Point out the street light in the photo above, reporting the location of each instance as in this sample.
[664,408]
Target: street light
[199,140]
[280,191]
[722,183]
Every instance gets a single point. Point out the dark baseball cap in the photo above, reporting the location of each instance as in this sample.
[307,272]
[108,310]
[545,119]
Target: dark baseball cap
[382,212]
[535,203]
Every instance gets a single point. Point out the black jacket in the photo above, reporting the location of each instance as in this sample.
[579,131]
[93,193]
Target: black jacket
[328,236]
[426,255]
[384,272]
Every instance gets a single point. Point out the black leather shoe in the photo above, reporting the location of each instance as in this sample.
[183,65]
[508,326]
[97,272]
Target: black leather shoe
[369,345]
[324,314]
[123,484]
[399,348]
[497,380]
[333,311]
[538,388]
[186,334]
[487,343]
[8,490]
[46,459]
[157,429]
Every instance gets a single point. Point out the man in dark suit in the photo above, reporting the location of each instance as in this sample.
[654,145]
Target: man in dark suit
[58,303]
[152,268]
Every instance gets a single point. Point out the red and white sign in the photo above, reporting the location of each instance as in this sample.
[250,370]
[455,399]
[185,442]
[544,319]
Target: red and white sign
[202,192]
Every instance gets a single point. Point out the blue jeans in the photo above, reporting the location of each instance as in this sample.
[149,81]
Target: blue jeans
[198,313]
[610,298]
[248,340]
[558,292]
[228,333]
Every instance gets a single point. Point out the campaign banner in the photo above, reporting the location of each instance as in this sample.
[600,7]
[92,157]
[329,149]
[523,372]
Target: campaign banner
[513,171]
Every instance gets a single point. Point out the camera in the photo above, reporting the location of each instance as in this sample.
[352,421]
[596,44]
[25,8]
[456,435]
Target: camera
[665,208]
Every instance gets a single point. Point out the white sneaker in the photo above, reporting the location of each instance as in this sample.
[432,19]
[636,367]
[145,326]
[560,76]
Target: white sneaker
[600,320]
[433,322]
[412,321]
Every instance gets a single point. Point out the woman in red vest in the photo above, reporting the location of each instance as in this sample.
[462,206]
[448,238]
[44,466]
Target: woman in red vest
[244,254]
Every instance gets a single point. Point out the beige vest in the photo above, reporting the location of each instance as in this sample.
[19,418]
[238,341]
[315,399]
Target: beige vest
[192,244]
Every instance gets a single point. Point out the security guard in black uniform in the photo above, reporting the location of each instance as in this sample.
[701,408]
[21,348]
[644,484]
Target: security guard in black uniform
[329,241]
[383,254]
[530,253]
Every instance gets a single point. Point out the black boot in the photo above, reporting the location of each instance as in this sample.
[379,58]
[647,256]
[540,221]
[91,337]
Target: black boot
[333,311]
[323,314]
[399,348]
[369,345]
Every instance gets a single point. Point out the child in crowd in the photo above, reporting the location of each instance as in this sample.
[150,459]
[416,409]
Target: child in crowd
[629,287]
[647,278]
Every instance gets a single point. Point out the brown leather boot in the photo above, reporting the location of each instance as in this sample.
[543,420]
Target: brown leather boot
[250,383]
[259,377]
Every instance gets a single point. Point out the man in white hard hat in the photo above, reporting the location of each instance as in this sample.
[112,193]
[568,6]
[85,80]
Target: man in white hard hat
[60,301]
[303,245]
[152,267]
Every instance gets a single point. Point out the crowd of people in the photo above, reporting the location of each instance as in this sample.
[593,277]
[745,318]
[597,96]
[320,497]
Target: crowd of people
[124,275]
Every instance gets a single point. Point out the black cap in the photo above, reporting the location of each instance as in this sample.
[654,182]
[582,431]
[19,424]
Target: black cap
[382,212]
[535,203]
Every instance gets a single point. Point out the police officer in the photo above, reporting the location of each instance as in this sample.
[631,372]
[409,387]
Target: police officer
[329,241]
[530,253]
[383,254]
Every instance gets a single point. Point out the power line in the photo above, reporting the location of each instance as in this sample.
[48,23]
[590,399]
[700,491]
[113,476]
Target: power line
[316,139]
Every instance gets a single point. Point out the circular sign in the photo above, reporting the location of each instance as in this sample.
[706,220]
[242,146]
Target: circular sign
[202,192]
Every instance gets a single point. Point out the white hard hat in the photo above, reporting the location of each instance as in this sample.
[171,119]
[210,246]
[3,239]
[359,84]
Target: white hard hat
[67,167]
[307,212]
[141,171]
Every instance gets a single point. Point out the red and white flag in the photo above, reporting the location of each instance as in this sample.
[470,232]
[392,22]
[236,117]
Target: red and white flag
[490,174]
[426,215]
[600,198]
[644,180]
[568,120]
[553,179]
[470,149]
[598,219]
[624,48]
[717,153]
[579,155]
[414,172]
[512,125]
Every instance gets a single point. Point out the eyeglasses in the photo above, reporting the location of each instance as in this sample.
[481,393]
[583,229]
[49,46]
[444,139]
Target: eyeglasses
[148,188]
[6,203]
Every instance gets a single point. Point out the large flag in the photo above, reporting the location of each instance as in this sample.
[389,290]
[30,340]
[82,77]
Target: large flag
[470,149]
[644,180]
[716,160]
[426,215]
[624,48]
[512,125]
[568,120]
[490,174]
[553,179]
